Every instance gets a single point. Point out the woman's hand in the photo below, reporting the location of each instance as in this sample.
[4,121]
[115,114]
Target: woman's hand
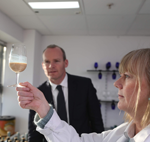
[30,97]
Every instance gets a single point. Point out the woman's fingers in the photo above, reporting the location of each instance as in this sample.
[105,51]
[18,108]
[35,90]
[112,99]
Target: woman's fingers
[23,88]
[26,100]
[21,98]
[24,104]
[25,94]
[30,97]
[27,85]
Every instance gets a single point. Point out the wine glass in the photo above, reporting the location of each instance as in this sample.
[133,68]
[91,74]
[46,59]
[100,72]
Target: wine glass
[17,60]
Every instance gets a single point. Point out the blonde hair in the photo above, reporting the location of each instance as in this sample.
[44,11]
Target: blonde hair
[137,62]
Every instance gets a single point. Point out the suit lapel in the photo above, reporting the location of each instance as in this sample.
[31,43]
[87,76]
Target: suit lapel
[71,95]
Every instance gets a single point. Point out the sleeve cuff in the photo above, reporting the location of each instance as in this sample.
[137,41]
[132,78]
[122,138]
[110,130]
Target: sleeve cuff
[41,122]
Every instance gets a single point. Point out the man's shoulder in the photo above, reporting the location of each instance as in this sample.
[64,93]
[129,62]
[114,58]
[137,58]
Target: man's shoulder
[43,85]
[78,78]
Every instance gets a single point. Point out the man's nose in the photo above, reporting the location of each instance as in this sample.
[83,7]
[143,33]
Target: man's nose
[51,65]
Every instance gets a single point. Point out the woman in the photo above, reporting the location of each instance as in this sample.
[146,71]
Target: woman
[134,99]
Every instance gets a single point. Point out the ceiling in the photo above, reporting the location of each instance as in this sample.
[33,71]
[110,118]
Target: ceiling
[95,17]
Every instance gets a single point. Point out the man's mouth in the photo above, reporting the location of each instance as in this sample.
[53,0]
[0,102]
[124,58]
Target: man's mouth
[52,72]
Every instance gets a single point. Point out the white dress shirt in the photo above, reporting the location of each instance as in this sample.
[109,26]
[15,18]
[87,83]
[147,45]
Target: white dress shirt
[56,130]
[64,85]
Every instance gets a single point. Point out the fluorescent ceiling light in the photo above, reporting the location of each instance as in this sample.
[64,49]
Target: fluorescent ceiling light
[54,5]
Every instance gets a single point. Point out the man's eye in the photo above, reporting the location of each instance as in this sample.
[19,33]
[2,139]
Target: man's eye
[46,62]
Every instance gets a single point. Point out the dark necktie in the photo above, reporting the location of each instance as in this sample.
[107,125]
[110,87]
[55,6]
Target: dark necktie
[61,106]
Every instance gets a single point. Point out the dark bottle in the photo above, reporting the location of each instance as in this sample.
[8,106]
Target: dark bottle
[114,75]
[95,65]
[117,65]
[113,104]
[100,75]
[108,65]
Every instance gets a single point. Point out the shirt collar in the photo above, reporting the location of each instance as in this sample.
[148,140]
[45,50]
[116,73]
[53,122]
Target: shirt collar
[130,130]
[141,136]
[64,83]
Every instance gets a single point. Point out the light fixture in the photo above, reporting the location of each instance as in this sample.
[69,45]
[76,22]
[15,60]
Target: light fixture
[54,5]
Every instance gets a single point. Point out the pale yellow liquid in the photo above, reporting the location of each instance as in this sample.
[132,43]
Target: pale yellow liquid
[18,67]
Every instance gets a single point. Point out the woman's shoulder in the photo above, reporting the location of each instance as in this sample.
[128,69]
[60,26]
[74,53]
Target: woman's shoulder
[119,130]
[106,136]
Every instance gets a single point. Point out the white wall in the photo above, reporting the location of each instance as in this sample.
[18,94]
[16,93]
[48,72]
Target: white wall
[9,30]
[37,63]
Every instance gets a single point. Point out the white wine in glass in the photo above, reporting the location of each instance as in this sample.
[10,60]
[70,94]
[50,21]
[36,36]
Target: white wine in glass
[17,60]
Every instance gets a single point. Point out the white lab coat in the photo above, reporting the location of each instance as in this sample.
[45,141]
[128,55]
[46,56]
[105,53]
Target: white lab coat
[59,131]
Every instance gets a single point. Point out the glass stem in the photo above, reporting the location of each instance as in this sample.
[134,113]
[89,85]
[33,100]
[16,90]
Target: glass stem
[17,79]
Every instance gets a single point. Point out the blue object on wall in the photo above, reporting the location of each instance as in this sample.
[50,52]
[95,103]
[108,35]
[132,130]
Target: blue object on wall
[114,75]
[108,65]
[95,65]
[117,65]
[113,104]
[100,75]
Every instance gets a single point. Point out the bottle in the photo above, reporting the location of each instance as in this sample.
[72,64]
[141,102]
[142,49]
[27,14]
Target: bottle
[8,136]
[18,136]
[15,139]
[26,137]
[7,139]
[22,138]
[2,139]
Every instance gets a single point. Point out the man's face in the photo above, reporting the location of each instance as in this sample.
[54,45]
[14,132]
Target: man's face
[54,65]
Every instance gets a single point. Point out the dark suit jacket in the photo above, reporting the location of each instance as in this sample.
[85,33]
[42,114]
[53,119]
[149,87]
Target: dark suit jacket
[84,109]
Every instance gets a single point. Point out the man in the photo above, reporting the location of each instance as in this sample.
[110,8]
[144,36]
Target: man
[81,107]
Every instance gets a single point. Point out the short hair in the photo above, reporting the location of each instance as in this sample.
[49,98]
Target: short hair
[137,62]
[54,46]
